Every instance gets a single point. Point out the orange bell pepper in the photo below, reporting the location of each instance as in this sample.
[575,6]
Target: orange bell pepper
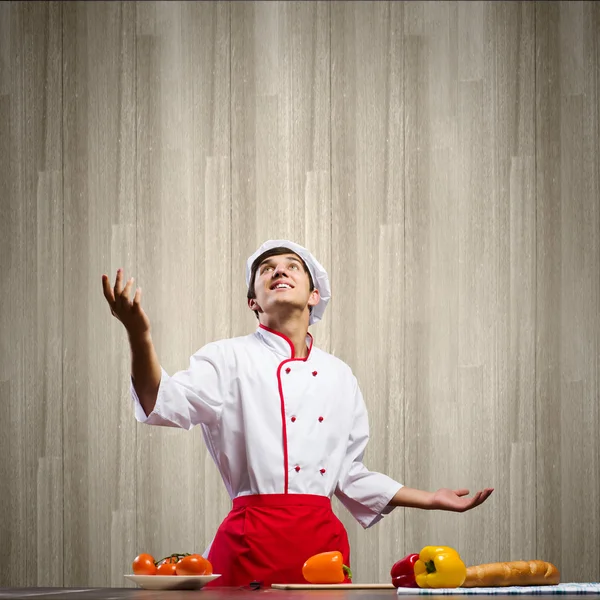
[326,567]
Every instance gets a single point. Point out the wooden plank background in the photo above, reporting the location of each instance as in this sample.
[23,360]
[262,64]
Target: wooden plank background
[442,161]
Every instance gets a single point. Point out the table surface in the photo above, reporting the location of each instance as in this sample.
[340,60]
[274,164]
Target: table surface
[204,594]
[218,594]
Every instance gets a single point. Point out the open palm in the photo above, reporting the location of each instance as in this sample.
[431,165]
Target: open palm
[457,500]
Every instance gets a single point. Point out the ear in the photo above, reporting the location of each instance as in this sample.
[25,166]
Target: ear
[253,305]
[314,298]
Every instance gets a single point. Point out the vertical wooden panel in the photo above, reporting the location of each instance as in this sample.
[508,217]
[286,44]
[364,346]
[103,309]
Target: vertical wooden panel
[518,406]
[431,296]
[208,69]
[510,105]
[10,553]
[367,269]
[568,284]
[183,242]
[478,241]
[6,40]
[591,261]
[166,214]
[7,182]
[164,263]
[471,40]
[470,234]
[548,380]
[99,135]
[280,136]
[580,277]
[42,437]
[577,473]
[31,205]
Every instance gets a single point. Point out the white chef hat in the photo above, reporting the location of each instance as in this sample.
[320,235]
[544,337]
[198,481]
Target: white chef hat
[318,273]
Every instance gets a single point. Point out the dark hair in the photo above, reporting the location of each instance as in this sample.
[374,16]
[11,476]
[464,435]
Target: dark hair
[267,254]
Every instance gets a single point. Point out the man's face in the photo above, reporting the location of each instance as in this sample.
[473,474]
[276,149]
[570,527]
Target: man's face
[282,284]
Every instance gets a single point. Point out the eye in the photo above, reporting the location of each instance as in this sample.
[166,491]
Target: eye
[294,266]
[267,268]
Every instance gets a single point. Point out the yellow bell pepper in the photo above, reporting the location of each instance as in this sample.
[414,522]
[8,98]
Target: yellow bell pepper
[440,567]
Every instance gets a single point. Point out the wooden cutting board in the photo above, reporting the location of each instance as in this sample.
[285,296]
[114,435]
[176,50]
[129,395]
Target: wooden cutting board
[333,586]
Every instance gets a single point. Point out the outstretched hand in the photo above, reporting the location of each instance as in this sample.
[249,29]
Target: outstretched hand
[456,500]
[128,311]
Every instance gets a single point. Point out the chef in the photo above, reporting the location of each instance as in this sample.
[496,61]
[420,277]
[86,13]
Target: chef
[284,421]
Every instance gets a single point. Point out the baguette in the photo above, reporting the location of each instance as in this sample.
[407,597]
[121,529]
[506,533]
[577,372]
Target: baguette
[519,572]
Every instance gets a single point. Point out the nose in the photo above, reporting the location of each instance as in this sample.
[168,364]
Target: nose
[279,270]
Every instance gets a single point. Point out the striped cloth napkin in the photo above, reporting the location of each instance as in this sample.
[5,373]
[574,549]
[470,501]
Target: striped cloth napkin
[532,590]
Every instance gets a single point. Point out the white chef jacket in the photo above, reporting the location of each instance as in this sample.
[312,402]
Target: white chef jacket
[276,424]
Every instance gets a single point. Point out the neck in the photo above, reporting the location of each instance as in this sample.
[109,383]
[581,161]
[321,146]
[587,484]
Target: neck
[294,329]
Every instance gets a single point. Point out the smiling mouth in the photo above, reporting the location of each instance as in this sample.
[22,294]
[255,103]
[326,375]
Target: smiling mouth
[282,286]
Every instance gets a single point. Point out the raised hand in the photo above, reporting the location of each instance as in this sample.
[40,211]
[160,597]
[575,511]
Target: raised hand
[129,312]
[455,500]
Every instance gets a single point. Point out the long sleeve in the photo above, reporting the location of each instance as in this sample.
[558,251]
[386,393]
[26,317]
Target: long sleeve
[364,493]
[192,396]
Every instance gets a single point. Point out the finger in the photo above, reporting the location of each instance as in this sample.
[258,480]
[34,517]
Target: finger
[486,494]
[462,492]
[137,298]
[126,293]
[118,283]
[108,292]
[481,496]
[475,500]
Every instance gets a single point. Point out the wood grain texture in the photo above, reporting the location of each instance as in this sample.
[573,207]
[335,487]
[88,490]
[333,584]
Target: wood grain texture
[470,230]
[183,207]
[166,234]
[440,159]
[280,144]
[568,202]
[431,280]
[367,269]
[31,204]
[580,195]
[548,306]
[212,193]
[100,235]
[509,109]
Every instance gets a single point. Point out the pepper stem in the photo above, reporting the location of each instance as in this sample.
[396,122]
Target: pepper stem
[347,571]
[430,566]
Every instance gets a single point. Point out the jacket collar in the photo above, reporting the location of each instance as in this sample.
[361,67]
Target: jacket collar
[280,343]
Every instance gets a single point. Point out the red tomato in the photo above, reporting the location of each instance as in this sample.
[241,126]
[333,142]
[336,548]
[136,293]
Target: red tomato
[194,565]
[167,568]
[144,565]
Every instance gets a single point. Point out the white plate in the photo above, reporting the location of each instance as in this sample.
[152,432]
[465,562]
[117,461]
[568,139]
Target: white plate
[171,582]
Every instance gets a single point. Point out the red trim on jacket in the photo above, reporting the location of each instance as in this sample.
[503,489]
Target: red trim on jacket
[282,399]
[287,339]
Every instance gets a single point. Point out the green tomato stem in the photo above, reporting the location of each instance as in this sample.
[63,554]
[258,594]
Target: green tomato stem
[176,555]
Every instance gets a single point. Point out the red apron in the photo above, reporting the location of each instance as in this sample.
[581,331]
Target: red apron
[269,537]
